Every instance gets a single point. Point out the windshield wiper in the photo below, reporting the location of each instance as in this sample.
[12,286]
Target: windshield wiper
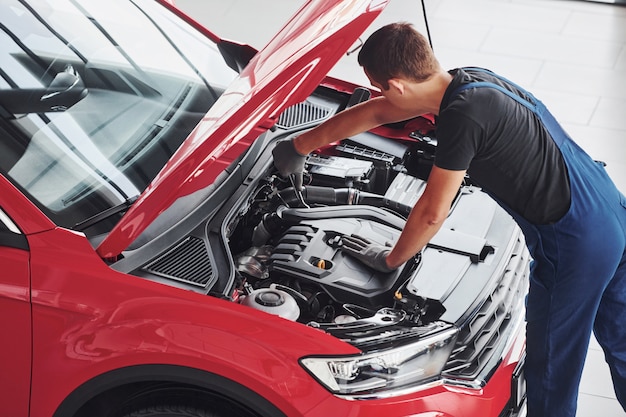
[103,215]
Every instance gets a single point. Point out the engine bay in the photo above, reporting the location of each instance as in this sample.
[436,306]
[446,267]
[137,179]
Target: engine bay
[287,245]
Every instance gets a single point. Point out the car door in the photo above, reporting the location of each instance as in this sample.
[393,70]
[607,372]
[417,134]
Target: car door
[15,319]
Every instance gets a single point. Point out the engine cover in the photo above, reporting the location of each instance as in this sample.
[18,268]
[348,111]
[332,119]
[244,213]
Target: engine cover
[310,250]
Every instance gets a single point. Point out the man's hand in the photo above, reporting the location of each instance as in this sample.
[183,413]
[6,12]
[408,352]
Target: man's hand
[289,161]
[371,254]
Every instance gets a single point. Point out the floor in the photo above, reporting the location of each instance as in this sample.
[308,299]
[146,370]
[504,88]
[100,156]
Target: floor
[570,54]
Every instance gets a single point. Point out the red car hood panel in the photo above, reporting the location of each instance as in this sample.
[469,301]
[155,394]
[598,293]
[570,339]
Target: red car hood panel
[283,73]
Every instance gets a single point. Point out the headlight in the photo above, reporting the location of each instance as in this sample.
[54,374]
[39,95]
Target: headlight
[411,364]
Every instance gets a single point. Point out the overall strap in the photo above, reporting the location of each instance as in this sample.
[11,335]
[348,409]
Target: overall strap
[498,76]
[532,106]
[479,84]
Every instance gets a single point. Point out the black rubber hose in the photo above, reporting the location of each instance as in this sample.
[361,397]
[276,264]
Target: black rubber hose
[340,196]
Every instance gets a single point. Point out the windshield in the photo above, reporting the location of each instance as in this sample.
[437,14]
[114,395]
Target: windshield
[95,97]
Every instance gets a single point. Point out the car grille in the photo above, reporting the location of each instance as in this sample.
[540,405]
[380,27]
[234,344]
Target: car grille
[488,331]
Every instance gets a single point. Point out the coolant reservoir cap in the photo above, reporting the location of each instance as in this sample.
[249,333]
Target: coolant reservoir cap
[274,301]
[270,298]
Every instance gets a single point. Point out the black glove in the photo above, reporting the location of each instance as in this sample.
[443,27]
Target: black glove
[371,254]
[288,161]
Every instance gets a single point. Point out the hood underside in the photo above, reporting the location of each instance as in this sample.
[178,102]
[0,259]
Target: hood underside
[283,73]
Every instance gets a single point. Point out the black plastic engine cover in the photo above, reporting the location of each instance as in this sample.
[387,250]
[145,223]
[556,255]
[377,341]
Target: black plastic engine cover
[311,250]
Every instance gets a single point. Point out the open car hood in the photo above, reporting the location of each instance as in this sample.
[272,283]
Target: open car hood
[283,73]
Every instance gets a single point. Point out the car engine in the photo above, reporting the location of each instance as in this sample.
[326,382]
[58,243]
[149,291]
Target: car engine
[288,244]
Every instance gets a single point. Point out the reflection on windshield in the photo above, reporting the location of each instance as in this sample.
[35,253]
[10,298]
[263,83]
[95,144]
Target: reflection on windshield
[95,97]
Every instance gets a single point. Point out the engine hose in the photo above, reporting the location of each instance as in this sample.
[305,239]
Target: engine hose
[341,196]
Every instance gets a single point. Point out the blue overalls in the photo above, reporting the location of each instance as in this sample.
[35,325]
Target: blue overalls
[577,279]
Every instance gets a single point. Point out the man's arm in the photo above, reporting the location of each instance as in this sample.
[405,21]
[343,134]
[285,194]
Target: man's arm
[290,155]
[357,119]
[427,215]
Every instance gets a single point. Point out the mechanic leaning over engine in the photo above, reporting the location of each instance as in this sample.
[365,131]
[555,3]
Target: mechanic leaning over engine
[571,213]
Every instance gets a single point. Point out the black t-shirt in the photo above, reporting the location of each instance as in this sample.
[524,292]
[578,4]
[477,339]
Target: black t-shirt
[504,147]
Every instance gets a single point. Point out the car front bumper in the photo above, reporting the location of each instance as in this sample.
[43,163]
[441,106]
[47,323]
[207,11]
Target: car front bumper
[503,395]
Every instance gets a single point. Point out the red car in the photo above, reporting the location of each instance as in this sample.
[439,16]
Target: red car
[156,264]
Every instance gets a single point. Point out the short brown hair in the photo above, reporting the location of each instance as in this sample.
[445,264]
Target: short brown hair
[397,50]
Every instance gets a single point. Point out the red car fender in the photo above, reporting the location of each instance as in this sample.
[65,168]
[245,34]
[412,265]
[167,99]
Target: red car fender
[89,320]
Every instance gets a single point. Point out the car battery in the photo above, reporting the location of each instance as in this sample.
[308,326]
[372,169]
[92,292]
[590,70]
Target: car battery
[338,172]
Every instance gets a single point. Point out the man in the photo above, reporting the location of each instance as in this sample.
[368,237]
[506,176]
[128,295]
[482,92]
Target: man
[572,215]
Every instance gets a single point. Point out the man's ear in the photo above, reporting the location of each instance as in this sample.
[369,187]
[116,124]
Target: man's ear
[397,84]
